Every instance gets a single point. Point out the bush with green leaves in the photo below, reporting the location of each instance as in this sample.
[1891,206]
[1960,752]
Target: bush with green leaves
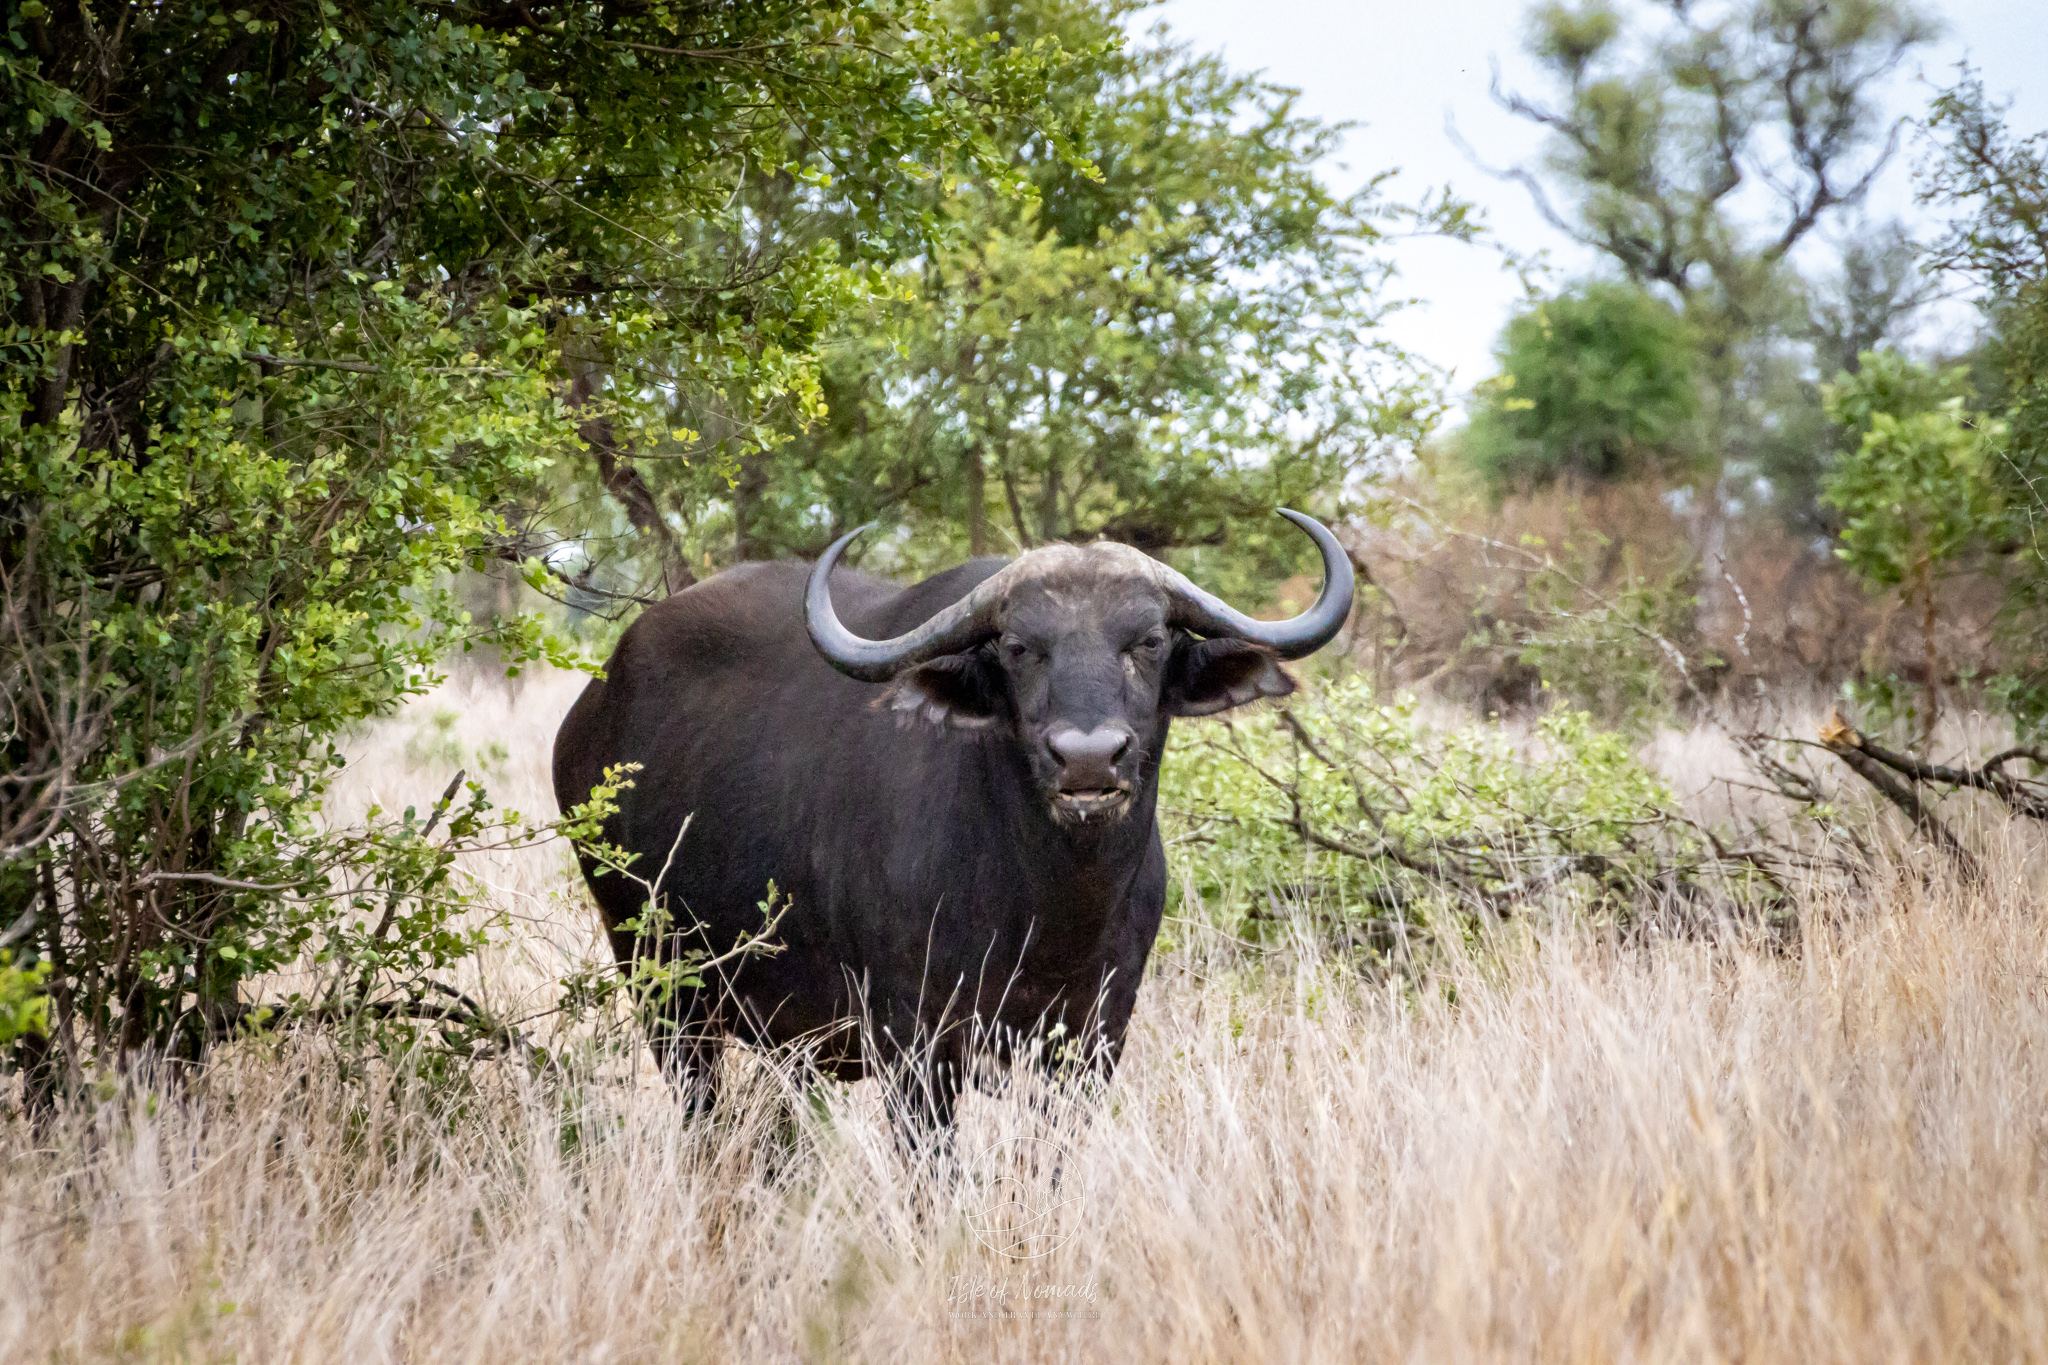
[1992,183]
[1597,384]
[1921,497]
[1366,811]
[1919,490]
[192,627]
[24,999]
[298,299]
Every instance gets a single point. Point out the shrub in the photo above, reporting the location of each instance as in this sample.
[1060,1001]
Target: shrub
[1597,383]
[189,635]
[1920,499]
[23,1000]
[1367,813]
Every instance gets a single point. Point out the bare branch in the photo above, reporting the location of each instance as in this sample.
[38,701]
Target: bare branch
[1848,745]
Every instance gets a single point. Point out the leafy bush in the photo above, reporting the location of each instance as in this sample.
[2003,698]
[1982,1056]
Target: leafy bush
[1994,185]
[24,1000]
[1365,810]
[1918,491]
[1597,383]
[298,300]
[1921,497]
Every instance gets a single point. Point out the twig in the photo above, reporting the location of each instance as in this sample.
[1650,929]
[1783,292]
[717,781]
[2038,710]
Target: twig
[152,878]
[391,901]
[1220,933]
[315,362]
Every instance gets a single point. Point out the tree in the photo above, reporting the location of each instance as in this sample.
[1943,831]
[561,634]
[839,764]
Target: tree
[1597,384]
[298,297]
[1777,93]
[1696,146]
[1865,302]
[1994,188]
[1917,488]
[1174,333]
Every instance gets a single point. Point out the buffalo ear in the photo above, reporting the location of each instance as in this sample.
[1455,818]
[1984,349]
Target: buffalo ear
[960,690]
[1207,676]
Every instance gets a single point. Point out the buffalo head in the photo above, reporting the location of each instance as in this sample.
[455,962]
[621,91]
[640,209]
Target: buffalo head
[1079,653]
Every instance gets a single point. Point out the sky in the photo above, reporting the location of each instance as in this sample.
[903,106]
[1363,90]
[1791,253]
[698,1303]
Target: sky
[1402,70]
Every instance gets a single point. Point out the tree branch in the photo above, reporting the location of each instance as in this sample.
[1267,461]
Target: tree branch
[1844,742]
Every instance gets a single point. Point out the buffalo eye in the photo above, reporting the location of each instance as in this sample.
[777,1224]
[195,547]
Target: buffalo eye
[1151,642]
[1015,649]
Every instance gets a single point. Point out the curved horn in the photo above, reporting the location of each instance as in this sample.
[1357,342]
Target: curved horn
[1291,639]
[949,632]
[973,617]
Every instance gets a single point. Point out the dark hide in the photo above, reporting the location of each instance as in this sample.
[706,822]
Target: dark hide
[947,894]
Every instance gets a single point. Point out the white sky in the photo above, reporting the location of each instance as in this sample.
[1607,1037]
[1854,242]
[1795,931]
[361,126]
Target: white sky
[1399,69]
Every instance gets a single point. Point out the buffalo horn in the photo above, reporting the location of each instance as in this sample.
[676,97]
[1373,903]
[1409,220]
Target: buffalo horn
[1295,638]
[974,617]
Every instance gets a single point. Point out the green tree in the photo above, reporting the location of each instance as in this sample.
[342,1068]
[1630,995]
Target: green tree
[1175,332]
[1993,187]
[297,298]
[1598,384]
[1696,146]
[1917,488]
[1866,301]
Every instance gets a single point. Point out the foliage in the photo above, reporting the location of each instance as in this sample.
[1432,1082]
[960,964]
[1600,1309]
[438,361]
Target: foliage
[1918,493]
[24,999]
[1369,812]
[295,301]
[2001,181]
[1695,146]
[192,624]
[1598,383]
[1158,346]
[1993,186]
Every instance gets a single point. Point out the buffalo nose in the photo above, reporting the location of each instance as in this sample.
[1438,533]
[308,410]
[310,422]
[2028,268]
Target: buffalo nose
[1088,761]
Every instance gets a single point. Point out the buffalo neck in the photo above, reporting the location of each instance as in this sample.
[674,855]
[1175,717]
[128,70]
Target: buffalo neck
[1072,876]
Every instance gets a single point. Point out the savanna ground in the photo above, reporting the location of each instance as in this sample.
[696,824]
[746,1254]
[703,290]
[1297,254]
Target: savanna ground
[1555,1143]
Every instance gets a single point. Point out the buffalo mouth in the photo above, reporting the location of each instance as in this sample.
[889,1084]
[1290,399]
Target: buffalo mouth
[1086,803]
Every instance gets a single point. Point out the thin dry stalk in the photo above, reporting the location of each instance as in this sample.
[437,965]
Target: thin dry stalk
[1559,1146]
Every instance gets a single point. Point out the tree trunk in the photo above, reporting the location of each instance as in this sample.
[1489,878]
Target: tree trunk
[622,480]
[977,504]
[1049,504]
[1016,507]
[747,542]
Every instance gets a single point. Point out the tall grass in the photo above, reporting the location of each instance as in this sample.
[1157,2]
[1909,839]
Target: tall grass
[1561,1146]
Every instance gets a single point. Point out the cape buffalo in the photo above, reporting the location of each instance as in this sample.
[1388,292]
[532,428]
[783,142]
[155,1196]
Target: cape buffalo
[953,784]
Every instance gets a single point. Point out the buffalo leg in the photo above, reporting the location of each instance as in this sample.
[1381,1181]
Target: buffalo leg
[687,1043]
[925,1096]
[1075,1066]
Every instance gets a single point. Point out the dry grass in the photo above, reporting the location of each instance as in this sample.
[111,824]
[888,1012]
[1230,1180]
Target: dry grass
[1563,1149]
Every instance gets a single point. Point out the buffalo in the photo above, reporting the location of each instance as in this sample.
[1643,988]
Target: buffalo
[953,785]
